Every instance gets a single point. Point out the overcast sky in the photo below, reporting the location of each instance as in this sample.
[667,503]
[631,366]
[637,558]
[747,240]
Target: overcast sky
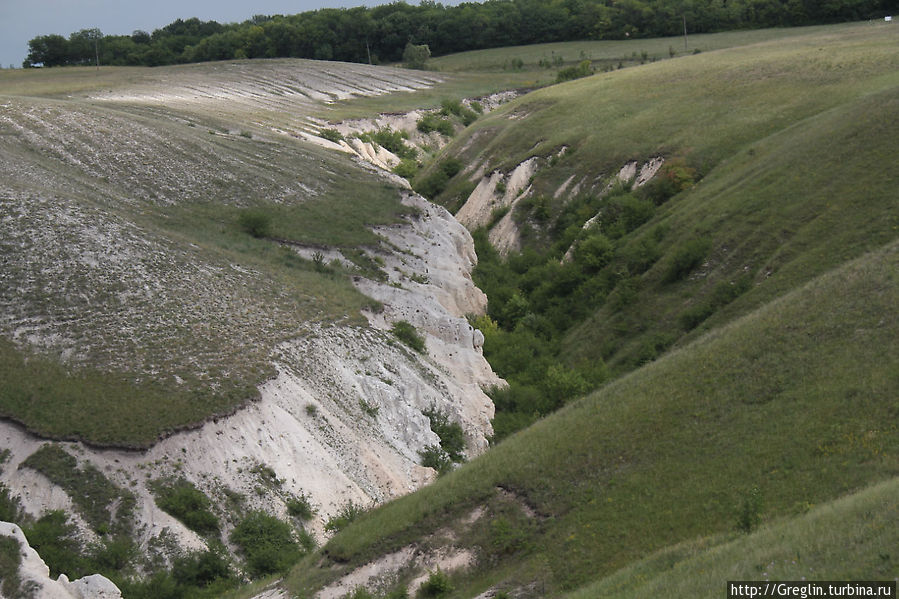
[22,20]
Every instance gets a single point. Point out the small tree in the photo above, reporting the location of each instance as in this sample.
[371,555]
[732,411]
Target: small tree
[415,56]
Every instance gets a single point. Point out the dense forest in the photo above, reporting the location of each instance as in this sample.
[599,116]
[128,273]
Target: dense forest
[380,34]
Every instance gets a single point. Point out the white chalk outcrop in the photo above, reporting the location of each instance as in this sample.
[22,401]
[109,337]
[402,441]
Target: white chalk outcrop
[343,419]
[35,581]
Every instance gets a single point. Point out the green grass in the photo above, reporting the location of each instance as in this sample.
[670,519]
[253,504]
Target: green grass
[10,560]
[851,538]
[482,72]
[613,51]
[781,135]
[746,94]
[796,399]
[54,401]
[104,506]
[67,80]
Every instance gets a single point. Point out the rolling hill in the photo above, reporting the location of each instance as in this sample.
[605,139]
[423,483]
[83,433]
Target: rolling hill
[744,312]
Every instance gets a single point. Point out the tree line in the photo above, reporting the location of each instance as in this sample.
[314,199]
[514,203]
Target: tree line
[380,34]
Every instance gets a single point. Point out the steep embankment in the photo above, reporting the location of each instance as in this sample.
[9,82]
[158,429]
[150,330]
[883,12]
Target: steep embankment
[165,288]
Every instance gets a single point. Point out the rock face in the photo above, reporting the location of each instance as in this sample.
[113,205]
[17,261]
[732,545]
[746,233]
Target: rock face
[34,576]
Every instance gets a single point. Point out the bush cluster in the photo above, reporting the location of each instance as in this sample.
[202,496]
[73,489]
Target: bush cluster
[255,222]
[432,122]
[267,544]
[582,69]
[405,332]
[391,140]
[347,513]
[188,504]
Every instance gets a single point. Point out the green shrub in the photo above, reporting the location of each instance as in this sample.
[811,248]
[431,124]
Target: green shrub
[452,437]
[687,257]
[255,222]
[416,56]
[392,140]
[437,585]
[331,135]
[434,457]
[627,212]
[203,568]
[432,185]
[266,543]
[583,69]
[299,507]
[640,256]
[431,122]
[55,540]
[407,168]
[594,252]
[10,560]
[750,512]
[448,107]
[405,332]
[188,504]
[10,506]
[451,166]
[348,512]
[113,554]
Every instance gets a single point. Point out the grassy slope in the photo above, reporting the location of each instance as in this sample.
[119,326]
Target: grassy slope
[164,192]
[797,398]
[786,209]
[851,538]
[790,390]
[705,107]
[604,52]
[764,202]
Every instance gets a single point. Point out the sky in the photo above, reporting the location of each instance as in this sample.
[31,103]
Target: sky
[22,20]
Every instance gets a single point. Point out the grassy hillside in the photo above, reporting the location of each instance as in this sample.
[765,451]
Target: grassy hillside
[143,287]
[806,547]
[744,312]
[772,175]
[796,399]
